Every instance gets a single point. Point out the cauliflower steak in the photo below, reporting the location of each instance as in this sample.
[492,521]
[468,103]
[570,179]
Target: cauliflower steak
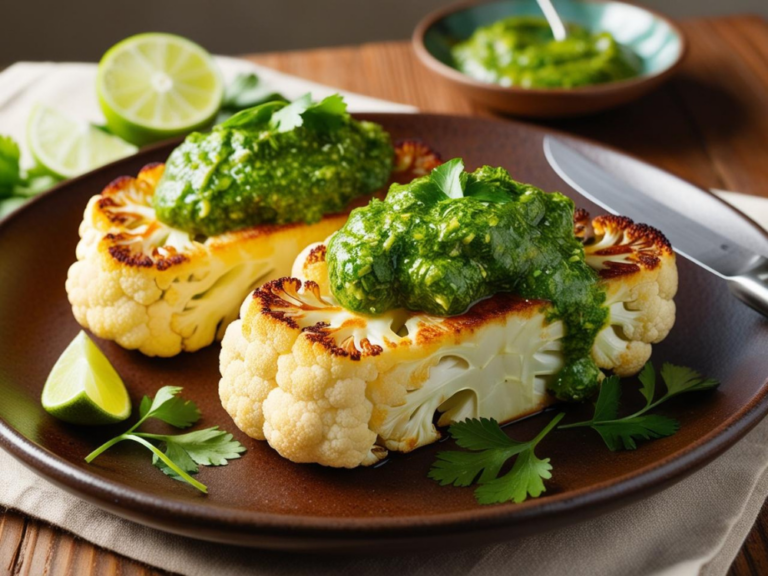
[323,384]
[154,288]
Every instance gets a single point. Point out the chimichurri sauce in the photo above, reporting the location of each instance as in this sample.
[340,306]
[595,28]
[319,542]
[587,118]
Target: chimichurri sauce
[521,51]
[245,173]
[450,238]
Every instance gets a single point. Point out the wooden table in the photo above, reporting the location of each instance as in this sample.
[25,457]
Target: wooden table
[709,125]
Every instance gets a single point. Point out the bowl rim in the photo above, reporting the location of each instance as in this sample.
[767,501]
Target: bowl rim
[450,73]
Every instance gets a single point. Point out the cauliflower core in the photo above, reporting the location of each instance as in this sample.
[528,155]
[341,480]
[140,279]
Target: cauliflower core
[326,385]
[153,288]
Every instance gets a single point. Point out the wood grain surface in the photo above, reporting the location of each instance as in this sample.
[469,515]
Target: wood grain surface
[708,125]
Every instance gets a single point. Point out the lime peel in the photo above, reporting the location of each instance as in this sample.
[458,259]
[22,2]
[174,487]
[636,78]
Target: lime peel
[67,147]
[84,388]
[153,86]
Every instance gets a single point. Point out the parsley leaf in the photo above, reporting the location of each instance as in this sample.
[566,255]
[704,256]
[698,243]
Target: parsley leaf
[623,433]
[184,453]
[490,448]
[447,177]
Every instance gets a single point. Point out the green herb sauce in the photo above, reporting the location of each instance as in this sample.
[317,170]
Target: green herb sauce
[451,238]
[272,164]
[521,51]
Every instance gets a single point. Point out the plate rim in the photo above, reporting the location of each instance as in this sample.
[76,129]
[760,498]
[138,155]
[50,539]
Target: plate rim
[240,527]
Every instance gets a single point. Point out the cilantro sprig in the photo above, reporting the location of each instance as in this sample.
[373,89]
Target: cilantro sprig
[326,115]
[624,432]
[17,185]
[246,91]
[489,450]
[183,453]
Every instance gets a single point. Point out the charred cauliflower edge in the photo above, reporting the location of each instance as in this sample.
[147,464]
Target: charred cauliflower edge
[323,384]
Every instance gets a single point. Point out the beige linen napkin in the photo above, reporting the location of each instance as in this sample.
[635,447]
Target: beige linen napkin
[695,527]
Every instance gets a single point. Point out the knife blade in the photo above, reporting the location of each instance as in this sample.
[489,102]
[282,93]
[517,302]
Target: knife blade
[746,271]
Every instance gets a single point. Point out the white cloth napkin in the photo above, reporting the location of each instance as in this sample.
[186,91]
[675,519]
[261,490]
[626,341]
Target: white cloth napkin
[695,527]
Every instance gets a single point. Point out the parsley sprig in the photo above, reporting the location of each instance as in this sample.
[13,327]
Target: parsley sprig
[184,453]
[618,433]
[489,449]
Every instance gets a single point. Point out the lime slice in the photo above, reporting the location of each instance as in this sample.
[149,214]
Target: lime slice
[154,86]
[84,388]
[68,147]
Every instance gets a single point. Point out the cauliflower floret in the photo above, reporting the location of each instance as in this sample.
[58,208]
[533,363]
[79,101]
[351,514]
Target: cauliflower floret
[345,388]
[153,288]
[639,271]
[326,385]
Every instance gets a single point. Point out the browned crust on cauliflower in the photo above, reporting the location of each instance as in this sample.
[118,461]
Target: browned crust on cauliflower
[632,247]
[413,159]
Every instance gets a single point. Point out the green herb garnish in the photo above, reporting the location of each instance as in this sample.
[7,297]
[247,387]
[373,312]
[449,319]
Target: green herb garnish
[184,453]
[328,114]
[490,448]
[618,433]
[16,185]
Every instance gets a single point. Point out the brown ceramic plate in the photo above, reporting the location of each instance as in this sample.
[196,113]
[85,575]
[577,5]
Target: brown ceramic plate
[264,500]
[659,44]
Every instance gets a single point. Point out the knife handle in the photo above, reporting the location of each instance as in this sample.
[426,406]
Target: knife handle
[751,286]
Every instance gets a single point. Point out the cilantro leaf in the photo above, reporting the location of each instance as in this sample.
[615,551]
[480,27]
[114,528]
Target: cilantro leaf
[289,117]
[328,114]
[10,170]
[486,192]
[647,378]
[607,405]
[169,408]
[254,117]
[680,379]
[490,449]
[183,453]
[624,433]
[178,456]
[447,177]
[525,479]
[247,91]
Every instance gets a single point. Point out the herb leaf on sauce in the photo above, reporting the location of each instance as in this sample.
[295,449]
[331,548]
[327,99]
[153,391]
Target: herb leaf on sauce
[447,177]
[327,114]
[273,164]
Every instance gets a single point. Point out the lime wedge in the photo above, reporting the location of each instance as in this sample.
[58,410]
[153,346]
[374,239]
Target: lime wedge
[84,388]
[68,147]
[154,86]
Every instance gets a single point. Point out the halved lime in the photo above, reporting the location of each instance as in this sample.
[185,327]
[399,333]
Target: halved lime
[154,86]
[84,388]
[68,147]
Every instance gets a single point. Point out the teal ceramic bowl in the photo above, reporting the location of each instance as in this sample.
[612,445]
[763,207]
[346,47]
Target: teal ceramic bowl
[658,42]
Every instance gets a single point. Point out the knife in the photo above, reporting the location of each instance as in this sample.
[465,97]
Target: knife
[745,271]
